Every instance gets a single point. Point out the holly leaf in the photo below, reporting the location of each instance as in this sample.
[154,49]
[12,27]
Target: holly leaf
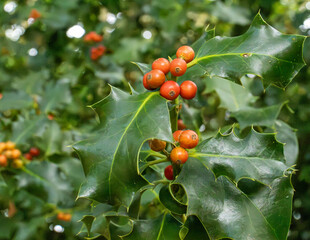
[275,57]
[224,210]
[163,227]
[257,156]
[265,116]
[110,157]
[233,96]
[15,100]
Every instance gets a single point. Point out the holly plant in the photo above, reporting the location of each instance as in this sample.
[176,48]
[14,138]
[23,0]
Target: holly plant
[153,171]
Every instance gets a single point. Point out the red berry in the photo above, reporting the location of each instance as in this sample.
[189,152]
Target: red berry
[28,156]
[181,124]
[186,52]
[176,135]
[3,161]
[145,83]
[169,172]
[170,90]
[92,37]
[188,89]
[179,155]
[188,139]
[161,64]
[34,151]
[50,116]
[178,67]
[155,78]
[34,14]
[1,95]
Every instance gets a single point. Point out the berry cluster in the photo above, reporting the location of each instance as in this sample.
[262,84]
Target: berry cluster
[64,216]
[33,152]
[184,139]
[10,154]
[98,51]
[161,67]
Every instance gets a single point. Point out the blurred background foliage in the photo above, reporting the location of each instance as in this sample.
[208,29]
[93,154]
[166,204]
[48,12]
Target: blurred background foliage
[47,80]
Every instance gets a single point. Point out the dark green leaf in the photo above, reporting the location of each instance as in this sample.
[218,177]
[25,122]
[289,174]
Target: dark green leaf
[12,100]
[127,121]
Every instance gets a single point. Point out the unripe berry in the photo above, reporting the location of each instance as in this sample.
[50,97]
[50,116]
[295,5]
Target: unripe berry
[179,155]
[2,147]
[186,52]
[17,163]
[157,145]
[181,124]
[188,139]
[155,78]
[176,135]
[8,153]
[188,89]
[169,172]
[3,161]
[161,64]
[34,151]
[178,67]
[146,86]
[16,153]
[170,90]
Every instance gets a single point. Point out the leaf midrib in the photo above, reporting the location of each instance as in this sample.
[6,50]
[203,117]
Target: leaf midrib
[197,60]
[125,131]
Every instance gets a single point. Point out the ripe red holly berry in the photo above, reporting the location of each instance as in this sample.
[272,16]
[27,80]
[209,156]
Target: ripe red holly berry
[186,52]
[188,139]
[3,161]
[170,90]
[178,67]
[28,156]
[34,14]
[92,37]
[157,145]
[161,64]
[145,83]
[50,116]
[178,155]
[176,135]
[181,124]
[169,172]
[34,151]
[97,52]
[155,78]
[188,89]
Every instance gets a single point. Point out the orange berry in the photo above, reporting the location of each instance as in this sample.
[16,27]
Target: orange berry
[186,52]
[2,146]
[34,14]
[3,161]
[178,155]
[9,145]
[176,135]
[181,124]
[178,67]
[170,90]
[16,153]
[161,64]
[188,139]
[8,153]
[188,89]
[155,78]
[145,83]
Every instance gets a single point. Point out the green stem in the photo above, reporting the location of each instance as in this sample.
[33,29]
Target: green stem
[161,160]
[192,63]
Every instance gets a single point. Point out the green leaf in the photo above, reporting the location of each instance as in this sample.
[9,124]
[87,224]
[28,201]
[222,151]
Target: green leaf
[222,208]
[251,116]
[262,51]
[163,227]
[193,230]
[287,135]
[233,96]
[46,181]
[88,222]
[110,157]
[17,101]
[170,202]
[143,67]
[275,203]
[207,35]
[257,156]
